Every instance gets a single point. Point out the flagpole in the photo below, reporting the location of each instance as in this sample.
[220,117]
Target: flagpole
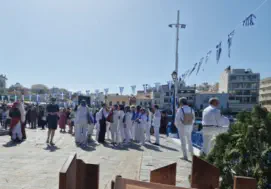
[177,42]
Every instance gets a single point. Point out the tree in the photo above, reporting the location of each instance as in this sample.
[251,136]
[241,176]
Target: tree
[245,150]
[39,88]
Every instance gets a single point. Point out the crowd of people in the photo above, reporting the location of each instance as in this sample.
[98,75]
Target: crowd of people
[125,124]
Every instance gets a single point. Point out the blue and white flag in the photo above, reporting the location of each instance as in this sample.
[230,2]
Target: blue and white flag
[249,20]
[121,90]
[218,51]
[145,86]
[133,88]
[200,63]
[193,69]
[230,36]
[207,56]
[106,91]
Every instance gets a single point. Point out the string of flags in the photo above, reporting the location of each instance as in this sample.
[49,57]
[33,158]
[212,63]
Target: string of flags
[249,21]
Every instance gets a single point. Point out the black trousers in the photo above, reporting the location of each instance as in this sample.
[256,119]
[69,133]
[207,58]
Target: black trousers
[102,131]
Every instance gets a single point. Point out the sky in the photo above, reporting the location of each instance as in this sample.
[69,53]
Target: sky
[97,44]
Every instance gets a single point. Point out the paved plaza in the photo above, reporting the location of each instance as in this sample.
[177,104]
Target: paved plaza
[32,164]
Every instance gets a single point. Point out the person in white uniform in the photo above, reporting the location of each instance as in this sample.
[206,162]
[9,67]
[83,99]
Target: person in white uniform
[127,124]
[148,126]
[213,123]
[142,121]
[156,124]
[114,125]
[81,124]
[97,124]
[184,120]
[121,135]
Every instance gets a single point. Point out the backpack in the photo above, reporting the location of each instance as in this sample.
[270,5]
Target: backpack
[187,118]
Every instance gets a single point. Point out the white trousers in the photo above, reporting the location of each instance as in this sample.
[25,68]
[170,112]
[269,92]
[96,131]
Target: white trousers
[108,130]
[121,132]
[185,137]
[141,132]
[127,133]
[157,134]
[90,129]
[97,125]
[138,132]
[209,134]
[115,133]
[81,131]
[148,132]
[133,130]
[17,132]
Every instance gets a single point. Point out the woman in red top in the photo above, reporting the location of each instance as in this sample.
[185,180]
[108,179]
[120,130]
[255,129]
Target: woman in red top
[62,120]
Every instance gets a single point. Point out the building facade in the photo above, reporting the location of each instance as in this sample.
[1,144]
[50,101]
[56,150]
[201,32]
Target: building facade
[163,97]
[202,100]
[265,93]
[144,100]
[242,86]
[113,99]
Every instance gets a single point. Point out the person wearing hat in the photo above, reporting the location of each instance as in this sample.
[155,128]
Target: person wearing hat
[52,118]
[184,120]
[212,121]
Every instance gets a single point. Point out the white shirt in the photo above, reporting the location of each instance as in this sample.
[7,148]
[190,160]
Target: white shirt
[156,118]
[212,116]
[143,121]
[101,113]
[180,116]
[81,115]
[128,118]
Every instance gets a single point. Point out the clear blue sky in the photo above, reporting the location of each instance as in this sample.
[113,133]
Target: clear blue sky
[95,44]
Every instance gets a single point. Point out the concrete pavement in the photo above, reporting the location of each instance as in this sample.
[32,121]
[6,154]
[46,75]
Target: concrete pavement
[32,164]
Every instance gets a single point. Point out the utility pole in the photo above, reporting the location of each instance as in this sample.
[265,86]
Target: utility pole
[178,26]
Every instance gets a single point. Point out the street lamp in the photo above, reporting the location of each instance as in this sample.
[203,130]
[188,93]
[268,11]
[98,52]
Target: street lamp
[174,76]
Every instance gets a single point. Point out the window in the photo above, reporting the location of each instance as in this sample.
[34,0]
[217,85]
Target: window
[145,103]
[232,78]
[238,92]
[254,92]
[254,99]
[231,98]
[254,85]
[140,103]
[246,92]
[246,99]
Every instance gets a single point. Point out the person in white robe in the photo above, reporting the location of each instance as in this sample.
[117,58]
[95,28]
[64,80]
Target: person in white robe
[142,122]
[81,124]
[114,126]
[121,135]
[127,124]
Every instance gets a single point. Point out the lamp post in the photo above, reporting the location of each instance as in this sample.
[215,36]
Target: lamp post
[174,76]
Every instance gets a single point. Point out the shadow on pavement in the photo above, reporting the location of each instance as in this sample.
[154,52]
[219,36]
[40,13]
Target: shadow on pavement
[152,147]
[51,148]
[10,144]
[169,148]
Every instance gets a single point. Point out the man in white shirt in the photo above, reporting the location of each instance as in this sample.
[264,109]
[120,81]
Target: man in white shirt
[184,120]
[156,124]
[213,123]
